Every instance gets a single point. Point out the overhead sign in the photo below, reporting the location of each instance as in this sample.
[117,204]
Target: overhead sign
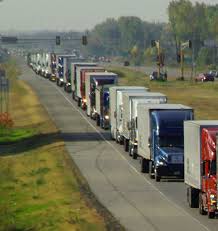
[9,39]
[210,43]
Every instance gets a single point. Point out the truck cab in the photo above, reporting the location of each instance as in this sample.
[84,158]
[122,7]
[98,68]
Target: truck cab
[201,166]
[167,142]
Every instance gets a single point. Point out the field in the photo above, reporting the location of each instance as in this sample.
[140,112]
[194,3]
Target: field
[38,186]
[202,97]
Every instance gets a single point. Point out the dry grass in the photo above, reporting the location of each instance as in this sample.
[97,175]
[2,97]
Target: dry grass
[38,190]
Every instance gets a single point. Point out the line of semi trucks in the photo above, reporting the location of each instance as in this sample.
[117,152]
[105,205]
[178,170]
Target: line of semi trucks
[165,137]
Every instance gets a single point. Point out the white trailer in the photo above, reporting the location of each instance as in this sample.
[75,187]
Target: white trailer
[130,103]
[96,79]
[116,105]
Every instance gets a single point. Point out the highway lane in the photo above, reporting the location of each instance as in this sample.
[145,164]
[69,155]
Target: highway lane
[138,202]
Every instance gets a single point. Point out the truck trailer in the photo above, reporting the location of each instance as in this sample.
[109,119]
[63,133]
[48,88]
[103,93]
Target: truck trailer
[116,104]
[92,80]
[200,148]
[80,80]
[161,139]
[124,127]
[130,128]
[73,76]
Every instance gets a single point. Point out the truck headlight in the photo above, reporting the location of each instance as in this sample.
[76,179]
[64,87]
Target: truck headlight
[107,117]
[212,196]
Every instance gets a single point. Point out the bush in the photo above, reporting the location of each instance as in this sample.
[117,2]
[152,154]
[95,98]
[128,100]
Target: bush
[5,121]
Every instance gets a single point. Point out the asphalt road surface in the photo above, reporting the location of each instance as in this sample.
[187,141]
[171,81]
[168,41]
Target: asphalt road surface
[139,203]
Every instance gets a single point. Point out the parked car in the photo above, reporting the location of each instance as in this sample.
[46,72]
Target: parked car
[204,77]
[214,73]
[154,76]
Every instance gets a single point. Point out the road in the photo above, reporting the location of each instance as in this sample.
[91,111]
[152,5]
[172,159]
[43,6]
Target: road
[136,201]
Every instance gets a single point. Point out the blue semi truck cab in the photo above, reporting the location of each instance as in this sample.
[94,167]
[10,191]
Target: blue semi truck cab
[161,139]
[102,101]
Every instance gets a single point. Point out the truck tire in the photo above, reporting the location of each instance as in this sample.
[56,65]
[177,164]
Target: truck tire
[57,82]
[211,215]
[73,95]
[192,197]
[156,176]
[144,165]
[134,154]
[130,150]
[126,145]
[98,120]
[79,102]
[150,170]
[201,206]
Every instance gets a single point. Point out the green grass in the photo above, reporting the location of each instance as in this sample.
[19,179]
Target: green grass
[15,135]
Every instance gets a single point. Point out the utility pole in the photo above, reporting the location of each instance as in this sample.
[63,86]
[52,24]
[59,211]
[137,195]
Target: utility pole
[181,55]
[160,57]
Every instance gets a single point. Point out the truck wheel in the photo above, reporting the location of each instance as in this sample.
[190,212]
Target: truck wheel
[98,120]
[73,95]
[150,170]
[79,102]
[126,145]
[130,150]
[211,215]
[192,197]
[134,153]
[57,82]
[144,165]
[201,206]
[157,177]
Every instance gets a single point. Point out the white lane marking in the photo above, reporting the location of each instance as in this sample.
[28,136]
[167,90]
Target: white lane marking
[131,166]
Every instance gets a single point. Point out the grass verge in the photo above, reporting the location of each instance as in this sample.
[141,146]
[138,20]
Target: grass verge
[38,189]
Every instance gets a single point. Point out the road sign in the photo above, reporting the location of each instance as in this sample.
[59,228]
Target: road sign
[9,39]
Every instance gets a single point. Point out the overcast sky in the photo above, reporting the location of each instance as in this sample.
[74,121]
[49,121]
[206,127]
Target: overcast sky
[77,14]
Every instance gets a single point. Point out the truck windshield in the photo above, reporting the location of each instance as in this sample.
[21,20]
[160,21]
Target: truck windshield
[171,141]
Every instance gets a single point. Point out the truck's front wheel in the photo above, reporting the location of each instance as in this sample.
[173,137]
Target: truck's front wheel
[201,206]
[211,215]
[193,197]
[151,170]
[157,177]
[126,145]
[144,165]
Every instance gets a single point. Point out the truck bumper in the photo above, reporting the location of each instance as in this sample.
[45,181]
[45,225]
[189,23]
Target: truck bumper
[171,170]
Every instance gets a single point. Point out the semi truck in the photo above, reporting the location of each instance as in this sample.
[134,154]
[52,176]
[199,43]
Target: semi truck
[200,148]
[161,139]
[92,80]
[53,67]
[80,80]
[73,77]
[63,68]
[130,128]
[116,105]
[102,99]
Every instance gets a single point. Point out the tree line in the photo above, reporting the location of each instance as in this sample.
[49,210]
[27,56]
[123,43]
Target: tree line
[130,37]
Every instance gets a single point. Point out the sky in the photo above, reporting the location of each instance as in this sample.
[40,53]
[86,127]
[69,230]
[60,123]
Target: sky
[79,15]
